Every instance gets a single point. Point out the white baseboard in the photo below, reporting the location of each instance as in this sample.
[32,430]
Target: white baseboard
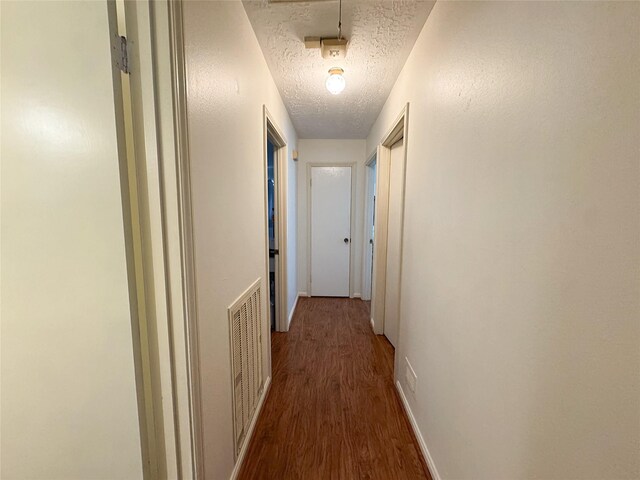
[303,294]
[373,327]
[357,295]
[247,440]
[293,310]
[414,425]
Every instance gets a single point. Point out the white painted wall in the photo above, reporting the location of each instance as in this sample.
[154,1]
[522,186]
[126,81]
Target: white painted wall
[69,408]
[520,295]
[228,83]
[330,151]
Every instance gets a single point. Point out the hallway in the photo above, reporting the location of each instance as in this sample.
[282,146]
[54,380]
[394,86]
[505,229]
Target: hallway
[434,205]
[332,410]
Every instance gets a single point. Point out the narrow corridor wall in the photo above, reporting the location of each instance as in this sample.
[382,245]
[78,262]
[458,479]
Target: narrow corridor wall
[330,151]
[228,82]
[520,287]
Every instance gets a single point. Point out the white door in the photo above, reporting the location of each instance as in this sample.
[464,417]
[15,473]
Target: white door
[69,403]
[330,231]
[394,242]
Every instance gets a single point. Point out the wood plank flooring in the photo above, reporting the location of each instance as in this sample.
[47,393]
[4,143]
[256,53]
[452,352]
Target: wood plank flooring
[332,411]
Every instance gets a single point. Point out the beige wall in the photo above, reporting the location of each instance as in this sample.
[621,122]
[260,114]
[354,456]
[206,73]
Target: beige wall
[330,151]
[228,83]
[520,286]
[69,407]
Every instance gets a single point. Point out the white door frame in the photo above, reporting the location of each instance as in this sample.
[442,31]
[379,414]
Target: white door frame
[181,249]
[367,277]
[273,133]
[159,102]
[164,259]
[397,131]
[352,227]
[134,209]
[158,106]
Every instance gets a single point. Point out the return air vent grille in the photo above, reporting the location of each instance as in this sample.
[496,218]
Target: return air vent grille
[246,359]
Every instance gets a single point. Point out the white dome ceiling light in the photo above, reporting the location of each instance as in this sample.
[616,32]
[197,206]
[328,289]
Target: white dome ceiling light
[336,82]
[334,48]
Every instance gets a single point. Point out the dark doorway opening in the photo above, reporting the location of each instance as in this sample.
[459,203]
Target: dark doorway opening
[272,213]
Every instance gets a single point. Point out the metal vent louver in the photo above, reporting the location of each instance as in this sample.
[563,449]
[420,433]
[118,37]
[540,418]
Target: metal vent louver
[246,359]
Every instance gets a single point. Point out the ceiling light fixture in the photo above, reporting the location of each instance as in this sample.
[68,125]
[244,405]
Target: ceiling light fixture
[335,83]
[334,48]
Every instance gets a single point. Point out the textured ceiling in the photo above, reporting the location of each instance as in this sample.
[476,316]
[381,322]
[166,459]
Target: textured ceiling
[381,34]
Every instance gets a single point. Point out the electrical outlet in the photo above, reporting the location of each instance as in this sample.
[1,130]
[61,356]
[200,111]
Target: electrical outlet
[410,376]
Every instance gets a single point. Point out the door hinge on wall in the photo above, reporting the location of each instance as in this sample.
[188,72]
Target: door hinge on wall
[120,53]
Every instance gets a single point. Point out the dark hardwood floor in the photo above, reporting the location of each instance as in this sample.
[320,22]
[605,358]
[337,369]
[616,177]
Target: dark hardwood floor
[332,411]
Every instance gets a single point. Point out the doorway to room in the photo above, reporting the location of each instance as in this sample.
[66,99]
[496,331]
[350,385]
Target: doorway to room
[271,228]
[369,228]
[394,242]
[388,234]
[275,223]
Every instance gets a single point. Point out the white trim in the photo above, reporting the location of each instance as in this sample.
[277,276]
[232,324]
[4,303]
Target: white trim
[139,209]
[356,295]
[293,310]
[273,133]
[303,294]
[187,357]
[414,426]
[247,440]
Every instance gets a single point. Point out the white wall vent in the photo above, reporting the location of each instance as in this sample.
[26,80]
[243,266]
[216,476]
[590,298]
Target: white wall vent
[245,321]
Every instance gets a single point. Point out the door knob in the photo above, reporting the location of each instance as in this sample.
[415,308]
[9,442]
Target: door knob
[346,240]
